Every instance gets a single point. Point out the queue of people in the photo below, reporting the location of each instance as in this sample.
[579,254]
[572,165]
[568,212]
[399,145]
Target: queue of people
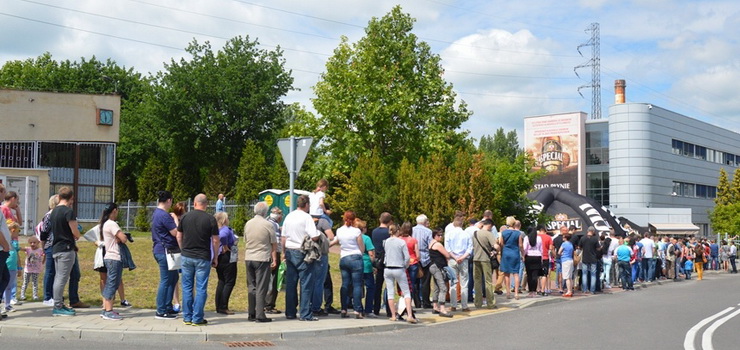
[427,268]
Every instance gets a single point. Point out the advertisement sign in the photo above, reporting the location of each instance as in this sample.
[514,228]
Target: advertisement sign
[555,142]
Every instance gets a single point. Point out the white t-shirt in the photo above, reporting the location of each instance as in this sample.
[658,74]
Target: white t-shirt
[347,237]
[296,226]
[647,248]
[471,230]
[315,198]
[110,228]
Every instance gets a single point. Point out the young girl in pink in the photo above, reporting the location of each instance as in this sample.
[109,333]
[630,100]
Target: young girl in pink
[35,259]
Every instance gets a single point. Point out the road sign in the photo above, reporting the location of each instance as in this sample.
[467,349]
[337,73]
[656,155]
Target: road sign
[302,146]
[294,151]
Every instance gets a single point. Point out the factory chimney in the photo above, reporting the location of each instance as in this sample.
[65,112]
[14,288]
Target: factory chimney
[619,86]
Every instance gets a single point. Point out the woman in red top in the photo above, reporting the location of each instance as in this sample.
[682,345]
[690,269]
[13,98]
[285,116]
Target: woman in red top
[414,266]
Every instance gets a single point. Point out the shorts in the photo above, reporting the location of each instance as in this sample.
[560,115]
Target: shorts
[545,268]
[558,266]
[567,269]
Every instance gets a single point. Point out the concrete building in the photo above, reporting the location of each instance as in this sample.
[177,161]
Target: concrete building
[644,160]
[49,140]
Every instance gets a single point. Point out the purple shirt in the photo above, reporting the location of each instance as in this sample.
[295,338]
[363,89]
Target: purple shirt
[226,236]
[162,224]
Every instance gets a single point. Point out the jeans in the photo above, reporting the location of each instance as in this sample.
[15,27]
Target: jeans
[7,293]
[258,282]
[714,261]
[195,274]
[636,268]
[226,273]
[328,290]
[648,269]
[321,270]
[297,271]
[351,267]
[732,263]
[369,291]
[113,278]
[463,275]
[50,272]
[606,274]
[625,272]
[167,284]
[63,266]
[413,271]
[589,271]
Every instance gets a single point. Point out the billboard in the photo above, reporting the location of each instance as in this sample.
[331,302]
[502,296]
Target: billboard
[555,142]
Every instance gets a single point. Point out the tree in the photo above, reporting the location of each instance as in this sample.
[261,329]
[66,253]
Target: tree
[735,188]
[370,189]
[501,145]
[179,181]
[150,181]
[208,105]
[252,177]
[386,93]
[724,190]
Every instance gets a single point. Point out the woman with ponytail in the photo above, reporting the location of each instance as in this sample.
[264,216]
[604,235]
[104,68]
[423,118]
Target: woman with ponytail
[112,236]
[350,264]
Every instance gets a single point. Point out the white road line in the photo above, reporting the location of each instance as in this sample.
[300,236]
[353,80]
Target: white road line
[706,338]
[688,341]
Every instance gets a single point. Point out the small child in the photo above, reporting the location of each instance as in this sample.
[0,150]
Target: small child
[12,263]
[688,266]
[35,259]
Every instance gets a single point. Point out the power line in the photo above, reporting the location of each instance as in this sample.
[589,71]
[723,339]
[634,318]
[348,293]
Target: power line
[517,96]
[510,76]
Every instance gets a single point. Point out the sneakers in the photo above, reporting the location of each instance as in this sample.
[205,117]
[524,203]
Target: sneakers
[110,315]
[125,303]
[63,311]
[49,302]
[15,302]
[9,309]
[165,316]
[176,308]
[204,322]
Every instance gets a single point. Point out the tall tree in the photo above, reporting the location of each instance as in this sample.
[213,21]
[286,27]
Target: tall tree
[386,92]
[209,104]
[724,189]
[501,145]
[370,189]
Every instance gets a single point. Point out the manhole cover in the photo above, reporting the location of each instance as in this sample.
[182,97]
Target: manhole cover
[248,344]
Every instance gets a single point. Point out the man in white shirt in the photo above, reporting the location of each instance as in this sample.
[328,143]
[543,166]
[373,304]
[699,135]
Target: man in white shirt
[460,245]
[296,227]
[648,263]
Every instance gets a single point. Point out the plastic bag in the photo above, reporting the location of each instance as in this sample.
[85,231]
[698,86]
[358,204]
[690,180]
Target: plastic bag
[281,276]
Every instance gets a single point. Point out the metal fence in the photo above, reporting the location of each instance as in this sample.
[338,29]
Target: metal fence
[127,211]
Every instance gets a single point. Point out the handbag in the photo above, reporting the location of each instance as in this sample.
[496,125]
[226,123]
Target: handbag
[98,264]
[420,272]
[493,257]
[174,258]
[234,250]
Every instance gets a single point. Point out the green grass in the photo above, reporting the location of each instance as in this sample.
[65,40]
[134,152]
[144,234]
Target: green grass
[141,284]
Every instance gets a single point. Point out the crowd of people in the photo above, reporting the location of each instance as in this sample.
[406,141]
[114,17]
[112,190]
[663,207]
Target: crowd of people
[468,261]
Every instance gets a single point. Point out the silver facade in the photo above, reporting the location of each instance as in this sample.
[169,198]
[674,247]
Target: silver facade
[643,167]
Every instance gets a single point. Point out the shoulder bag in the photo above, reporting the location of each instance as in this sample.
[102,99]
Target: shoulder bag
[494,259]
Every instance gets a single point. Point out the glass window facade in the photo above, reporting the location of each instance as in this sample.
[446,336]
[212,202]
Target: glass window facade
[597,144]
[597,187]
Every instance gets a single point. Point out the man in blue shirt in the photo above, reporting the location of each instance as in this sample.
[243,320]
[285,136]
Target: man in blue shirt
[714,255]
[164,231]
[423,235]
[220,203]
[624,256]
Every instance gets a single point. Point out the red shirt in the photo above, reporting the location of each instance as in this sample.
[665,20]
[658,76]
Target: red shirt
[411,243]
[546,246]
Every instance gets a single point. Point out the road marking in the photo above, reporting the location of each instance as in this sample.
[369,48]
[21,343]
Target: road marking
[688,341]
[706,338]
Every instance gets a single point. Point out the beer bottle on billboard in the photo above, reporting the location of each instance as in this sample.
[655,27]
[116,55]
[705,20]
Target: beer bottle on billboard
[552,154]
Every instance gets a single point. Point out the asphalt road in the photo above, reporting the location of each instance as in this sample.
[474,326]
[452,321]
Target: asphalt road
[657,317]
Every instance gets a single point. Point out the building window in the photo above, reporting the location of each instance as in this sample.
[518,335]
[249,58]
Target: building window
[62,155]
[597,187]
[597,145]
[685,189]
[691,150]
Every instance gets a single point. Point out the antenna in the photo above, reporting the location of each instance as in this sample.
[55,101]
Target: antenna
[595,64]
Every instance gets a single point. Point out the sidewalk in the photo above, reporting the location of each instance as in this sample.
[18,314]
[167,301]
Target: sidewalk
[33,319]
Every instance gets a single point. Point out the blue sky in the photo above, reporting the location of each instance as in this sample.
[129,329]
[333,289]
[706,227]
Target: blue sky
[506,59]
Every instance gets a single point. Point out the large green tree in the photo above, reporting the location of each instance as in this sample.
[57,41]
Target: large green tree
[725,217]
[386,93]
[501,145]
[209,104]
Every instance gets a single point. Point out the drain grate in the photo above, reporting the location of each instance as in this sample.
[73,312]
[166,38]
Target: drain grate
[248,344]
